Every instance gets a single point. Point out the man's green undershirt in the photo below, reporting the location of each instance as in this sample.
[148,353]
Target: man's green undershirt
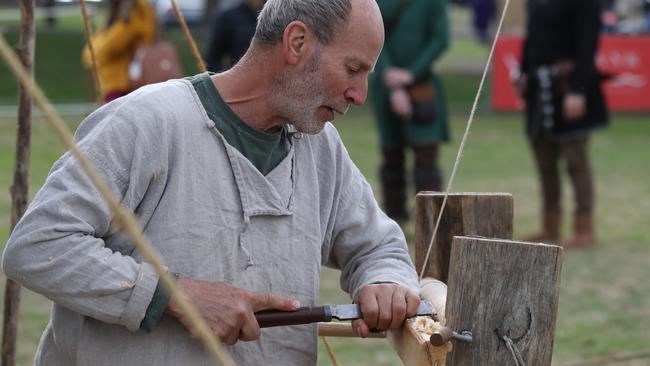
[264,150]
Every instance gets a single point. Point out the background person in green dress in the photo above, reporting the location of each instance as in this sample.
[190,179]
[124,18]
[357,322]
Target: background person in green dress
[417,34]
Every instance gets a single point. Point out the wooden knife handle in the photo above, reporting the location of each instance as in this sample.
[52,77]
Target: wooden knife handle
[304,315]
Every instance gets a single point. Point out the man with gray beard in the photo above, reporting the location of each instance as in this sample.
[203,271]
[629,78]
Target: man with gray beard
[242,184]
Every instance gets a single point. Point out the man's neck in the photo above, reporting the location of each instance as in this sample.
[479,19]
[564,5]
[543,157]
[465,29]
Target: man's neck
[246,88]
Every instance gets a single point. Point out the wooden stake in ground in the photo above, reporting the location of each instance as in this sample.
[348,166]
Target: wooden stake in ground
[485,214]
[506,293]
[19,188]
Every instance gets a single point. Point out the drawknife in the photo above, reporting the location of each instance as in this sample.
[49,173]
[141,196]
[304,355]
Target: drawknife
[325,313]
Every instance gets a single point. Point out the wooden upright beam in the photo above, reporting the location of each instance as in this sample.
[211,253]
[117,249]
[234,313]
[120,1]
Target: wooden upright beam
[484,214]
[21,178]
[506,293]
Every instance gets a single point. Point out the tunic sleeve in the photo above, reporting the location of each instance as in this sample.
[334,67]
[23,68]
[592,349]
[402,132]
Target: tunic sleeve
[58,248]
[587,28]
[367,246]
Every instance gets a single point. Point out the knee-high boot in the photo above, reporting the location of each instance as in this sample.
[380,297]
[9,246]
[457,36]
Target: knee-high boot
[393,184]
[427,180]
[551,223]
[427,175]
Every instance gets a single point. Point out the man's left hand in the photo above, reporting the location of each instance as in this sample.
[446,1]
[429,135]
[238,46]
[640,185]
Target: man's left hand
[384,306]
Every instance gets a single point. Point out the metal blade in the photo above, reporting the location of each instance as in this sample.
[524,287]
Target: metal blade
[346,312]
[353,311]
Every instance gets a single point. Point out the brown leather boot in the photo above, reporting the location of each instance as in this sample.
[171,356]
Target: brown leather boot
[584,235]
[550,228]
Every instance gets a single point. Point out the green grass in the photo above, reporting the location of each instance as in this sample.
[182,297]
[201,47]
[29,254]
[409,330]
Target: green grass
[604,299]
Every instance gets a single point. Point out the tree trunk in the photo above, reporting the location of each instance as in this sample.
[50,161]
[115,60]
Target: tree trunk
[19,188]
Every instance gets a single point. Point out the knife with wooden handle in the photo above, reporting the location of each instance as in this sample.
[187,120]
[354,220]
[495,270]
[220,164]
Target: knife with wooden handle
[325,313]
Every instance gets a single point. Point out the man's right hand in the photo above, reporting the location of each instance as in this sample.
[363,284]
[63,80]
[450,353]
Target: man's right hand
[228,311]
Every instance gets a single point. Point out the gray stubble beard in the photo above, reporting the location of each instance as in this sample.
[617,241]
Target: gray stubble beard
[300,94]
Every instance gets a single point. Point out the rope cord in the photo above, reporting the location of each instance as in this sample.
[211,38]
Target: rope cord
[464,139]
[330,351]
[514,351]
[190,40]
[91,48]
[122,216]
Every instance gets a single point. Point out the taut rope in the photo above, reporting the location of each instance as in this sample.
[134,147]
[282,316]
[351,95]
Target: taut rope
[461,148]
[330,351]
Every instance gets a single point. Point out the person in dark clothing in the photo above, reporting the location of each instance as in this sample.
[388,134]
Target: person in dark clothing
[232,34]
[417,35]
[564,103]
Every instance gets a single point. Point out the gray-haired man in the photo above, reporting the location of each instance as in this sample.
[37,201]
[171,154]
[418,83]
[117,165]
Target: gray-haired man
[243,187]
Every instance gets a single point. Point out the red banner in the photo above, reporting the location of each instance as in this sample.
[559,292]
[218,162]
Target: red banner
[625,59]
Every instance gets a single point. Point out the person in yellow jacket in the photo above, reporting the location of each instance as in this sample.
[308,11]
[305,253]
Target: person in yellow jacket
[131,24]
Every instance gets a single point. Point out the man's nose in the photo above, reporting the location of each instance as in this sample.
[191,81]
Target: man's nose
[358,93]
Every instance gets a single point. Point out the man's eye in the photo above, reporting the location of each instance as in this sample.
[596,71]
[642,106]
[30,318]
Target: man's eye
[352,70]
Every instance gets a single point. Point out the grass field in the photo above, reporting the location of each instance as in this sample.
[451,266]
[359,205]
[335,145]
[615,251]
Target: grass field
[605,292]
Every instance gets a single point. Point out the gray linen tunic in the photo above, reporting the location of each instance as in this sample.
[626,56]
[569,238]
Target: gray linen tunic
[212,216]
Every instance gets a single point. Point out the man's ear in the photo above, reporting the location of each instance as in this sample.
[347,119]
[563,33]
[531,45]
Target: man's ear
[297,42]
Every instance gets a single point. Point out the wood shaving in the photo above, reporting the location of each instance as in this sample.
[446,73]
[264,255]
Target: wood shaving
[424,325]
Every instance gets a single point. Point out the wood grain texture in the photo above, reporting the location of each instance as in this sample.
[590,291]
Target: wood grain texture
[484,214]
[503,288]
[415,350]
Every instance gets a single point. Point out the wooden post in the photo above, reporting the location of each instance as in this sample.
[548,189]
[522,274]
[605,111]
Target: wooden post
[485,214]
[506,293]
[21,179]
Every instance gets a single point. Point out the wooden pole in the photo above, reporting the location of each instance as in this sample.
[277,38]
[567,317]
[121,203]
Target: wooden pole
[484,214]
[190,40]
[506,293]
[343,329]
[414,349]
[19,188]
[89,40]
